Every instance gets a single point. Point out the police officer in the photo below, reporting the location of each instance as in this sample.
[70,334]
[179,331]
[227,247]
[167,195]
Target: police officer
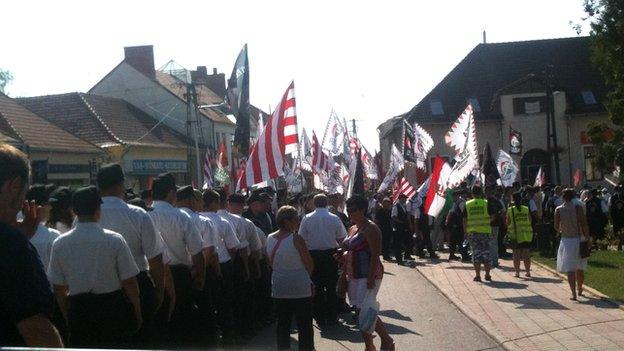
[616,211]
[477,228]
[146,244]
[184,251]
[401,233]
[94,277]
[520,234]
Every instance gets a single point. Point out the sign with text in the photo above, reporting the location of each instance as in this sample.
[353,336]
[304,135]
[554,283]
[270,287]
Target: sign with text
[158,166]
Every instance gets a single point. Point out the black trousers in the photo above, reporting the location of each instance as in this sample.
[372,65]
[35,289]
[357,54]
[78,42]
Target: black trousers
[225,298]
[243,307]
[502,231]
[425,243]
[325,279]
[302,310]
[398,244]
[264,308]
[456,242]
[386,242]
[100,320]
[183,325]
[147,293]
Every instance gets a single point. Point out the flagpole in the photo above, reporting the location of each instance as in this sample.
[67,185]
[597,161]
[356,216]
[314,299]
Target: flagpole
[331,115]
[299,155]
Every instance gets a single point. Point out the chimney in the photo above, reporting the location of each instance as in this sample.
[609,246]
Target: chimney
[200,75]
[214,81]
[484,38]
[141,58]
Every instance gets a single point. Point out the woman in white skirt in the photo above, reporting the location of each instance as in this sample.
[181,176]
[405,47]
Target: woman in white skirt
[571,224]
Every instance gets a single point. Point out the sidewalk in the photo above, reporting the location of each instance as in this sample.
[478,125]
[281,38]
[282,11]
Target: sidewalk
[529,313]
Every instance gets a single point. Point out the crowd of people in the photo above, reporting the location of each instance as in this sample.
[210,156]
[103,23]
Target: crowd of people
[174,266]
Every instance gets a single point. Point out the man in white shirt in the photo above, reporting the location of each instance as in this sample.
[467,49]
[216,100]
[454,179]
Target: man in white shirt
[92,269]
[44,236]
[227,248]
[137,228]
[322,232]
[184,252]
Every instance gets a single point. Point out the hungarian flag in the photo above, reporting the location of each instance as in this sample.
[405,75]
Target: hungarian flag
[237,98]
[222,175]
[436,194]
[488,168]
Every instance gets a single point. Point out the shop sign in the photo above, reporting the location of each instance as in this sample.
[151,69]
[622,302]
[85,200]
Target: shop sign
[158,166]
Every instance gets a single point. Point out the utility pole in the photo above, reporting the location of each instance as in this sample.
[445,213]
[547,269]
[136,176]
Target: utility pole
[354,130]
[193,132]
[551,126]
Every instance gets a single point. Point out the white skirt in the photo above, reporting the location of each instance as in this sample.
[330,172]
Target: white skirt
[569,256]
[357,290]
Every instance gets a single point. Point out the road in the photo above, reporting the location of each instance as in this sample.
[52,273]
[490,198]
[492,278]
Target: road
[417,315]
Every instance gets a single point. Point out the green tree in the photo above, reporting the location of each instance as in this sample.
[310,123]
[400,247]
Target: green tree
[606,18]
[5,78]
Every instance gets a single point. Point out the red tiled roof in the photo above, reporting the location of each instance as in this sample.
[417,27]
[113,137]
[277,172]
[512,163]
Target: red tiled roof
[104,120]
[20,123]
[205,96]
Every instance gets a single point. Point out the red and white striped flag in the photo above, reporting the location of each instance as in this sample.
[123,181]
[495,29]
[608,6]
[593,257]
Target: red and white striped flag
[321,162]
[208,182]
[436,194]
[540,178]
[279,137]
[403,188]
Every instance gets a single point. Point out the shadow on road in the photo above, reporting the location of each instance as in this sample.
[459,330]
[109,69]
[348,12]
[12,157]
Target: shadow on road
[600,303]
[543,280]
[395,315]
[534,302]
[507,285]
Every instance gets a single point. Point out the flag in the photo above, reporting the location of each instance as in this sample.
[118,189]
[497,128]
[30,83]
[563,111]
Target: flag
[403,188]
[358,176]
[540,178]
[208,182]
[237,98]
[370,167]
[462,132]
[334,135]
[436,193]
[515,142]
[488,167]
[321,162]
[422,145]
[462,137]
[578,177]
[396,165]
[421,193]
[279,137]
[408,142]
[507,168]
[222,174]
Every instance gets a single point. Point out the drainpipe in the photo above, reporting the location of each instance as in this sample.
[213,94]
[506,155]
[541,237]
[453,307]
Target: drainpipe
[569,151]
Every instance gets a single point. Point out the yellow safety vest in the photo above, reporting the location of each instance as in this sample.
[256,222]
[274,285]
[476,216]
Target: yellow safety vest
[521,230]
[478,219]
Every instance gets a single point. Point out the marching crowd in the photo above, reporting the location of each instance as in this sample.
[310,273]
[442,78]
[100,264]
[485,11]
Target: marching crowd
[101,267]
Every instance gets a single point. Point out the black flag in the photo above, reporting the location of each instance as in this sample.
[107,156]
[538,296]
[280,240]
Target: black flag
[488,167]
[409,139]
[238,100]
[358,180]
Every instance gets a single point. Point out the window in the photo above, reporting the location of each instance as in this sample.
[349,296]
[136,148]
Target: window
[475,104]
[436,108]
[529,105]
[588,97]
[591,173]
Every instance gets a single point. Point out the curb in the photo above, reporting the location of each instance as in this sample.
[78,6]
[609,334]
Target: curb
[587,288]
[494,337]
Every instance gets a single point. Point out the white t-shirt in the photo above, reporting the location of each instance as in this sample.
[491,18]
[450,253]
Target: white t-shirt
[90,259]
[226,238]
[42,241]
[136,226]
[204,226]
[321,230]
[180,234]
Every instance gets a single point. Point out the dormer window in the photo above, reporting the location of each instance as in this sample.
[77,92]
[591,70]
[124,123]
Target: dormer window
[436,108]
[474,103]
[588,97]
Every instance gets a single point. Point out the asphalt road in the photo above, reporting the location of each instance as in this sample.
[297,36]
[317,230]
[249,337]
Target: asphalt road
[417,315]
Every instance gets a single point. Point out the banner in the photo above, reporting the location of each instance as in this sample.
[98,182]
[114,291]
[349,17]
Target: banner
[436,194]
[489,168]
[422,145]
[507,168]
[396,165]
[462,137]
[515,142]
[540,178]
[237,98]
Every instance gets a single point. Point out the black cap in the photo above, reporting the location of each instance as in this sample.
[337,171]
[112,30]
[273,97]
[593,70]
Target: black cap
[38,193]
[237,199]
[255,197]
[61,196]
[162,184]
[184,193]
[109,175]
[86,201]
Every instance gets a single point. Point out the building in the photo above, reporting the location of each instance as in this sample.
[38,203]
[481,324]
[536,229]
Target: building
[56,155]
[507,86]
[127,134]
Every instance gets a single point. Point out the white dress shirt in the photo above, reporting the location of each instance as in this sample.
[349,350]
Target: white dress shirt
[321,230]
[90,259]
[179,233]
[136,226]
[204,226]
[42,241]
[245,231]
[226,238]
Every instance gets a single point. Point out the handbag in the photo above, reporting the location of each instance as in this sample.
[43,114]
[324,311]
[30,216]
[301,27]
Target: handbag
[584,246]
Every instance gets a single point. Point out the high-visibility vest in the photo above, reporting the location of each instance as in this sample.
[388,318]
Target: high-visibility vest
[478,220]
[520,224]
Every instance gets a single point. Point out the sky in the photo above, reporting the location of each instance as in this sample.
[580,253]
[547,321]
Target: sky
[367,60]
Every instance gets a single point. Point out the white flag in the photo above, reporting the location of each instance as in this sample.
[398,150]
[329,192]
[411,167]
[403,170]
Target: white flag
[540,178]
[436,194]
[422,144]
[396,165]
[463,139]
[507,168]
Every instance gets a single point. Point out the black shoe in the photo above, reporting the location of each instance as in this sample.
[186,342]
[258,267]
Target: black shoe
[488,278]
[476,279]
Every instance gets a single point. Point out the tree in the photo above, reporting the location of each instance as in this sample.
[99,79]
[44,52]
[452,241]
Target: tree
[5,78]
[607,44]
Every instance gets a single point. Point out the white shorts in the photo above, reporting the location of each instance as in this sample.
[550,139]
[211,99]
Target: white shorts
[357,290]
